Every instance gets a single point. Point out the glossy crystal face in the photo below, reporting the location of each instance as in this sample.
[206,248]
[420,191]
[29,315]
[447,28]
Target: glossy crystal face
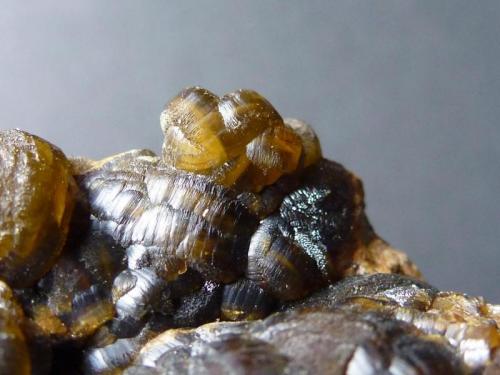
[238,139]
[117,264]
[37,194]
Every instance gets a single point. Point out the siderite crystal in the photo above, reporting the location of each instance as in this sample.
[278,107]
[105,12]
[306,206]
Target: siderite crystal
[37,194]
[239,250]
[14,352]
[238,139]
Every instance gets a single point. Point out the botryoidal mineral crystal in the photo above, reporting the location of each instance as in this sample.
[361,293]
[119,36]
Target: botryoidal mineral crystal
[239,250]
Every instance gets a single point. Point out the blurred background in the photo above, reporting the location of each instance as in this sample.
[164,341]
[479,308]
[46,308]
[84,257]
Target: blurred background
[404,93]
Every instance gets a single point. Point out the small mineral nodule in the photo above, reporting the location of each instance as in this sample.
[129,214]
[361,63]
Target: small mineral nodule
[236,139]
[37,194]
[239,250]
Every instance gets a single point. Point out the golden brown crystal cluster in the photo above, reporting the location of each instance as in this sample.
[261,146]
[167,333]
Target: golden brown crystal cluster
[115,265]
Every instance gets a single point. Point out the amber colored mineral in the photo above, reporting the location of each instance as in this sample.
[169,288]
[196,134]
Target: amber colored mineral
[238,139]
[37,195]
[14,353]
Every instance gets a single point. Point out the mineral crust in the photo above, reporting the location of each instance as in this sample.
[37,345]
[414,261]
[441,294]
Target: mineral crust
[239,250]
[377,324]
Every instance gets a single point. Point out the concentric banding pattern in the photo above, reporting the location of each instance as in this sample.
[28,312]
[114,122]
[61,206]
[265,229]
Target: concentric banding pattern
[174,218]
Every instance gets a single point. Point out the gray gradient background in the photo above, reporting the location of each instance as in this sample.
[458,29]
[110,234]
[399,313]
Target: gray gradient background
[404,93]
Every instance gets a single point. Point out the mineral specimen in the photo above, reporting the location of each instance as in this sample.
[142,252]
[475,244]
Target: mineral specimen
[14,353]
[37,198]
[239,250]
[379,324]
[239,139]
